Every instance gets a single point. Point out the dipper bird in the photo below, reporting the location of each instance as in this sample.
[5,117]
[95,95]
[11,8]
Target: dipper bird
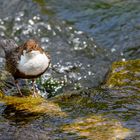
[27,61]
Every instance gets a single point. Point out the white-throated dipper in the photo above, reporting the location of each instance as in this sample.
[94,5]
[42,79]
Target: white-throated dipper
[27,61]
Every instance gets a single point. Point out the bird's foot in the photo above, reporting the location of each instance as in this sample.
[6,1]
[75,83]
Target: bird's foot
[20,94]
[35,94]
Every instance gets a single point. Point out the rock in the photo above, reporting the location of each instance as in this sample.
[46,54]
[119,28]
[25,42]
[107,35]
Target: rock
[124,74]
[69,115]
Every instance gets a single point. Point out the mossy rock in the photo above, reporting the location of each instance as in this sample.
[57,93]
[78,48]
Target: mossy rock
[74,111]
[31,106]
[124,74]
[97,127]
[85,124]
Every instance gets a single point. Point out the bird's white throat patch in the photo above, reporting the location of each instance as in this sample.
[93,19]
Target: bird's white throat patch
[33,63]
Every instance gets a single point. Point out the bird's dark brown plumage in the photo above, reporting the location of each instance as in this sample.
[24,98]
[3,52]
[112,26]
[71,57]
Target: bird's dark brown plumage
[13,54]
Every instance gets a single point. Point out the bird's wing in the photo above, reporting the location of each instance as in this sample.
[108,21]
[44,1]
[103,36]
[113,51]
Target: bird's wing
[8,45]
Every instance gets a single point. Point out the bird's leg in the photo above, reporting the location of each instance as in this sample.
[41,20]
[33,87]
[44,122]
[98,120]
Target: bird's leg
[18,89]
[33,86]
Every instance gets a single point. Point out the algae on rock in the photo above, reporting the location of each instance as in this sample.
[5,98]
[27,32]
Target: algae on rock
[124,73]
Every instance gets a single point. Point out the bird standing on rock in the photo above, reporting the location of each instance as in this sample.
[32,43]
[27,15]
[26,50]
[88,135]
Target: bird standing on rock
[28,61]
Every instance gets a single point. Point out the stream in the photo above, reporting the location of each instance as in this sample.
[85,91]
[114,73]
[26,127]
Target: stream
[92,88]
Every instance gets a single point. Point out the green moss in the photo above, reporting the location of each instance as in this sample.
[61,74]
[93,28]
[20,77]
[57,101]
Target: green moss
[85,123]
[33,105]
[75,107]
[1,94]
[43,6]
[97,127]
[53,86]
[73,99]
[124,74]
[103,5]
[40,2]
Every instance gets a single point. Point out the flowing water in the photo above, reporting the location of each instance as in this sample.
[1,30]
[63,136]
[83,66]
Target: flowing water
[91,98]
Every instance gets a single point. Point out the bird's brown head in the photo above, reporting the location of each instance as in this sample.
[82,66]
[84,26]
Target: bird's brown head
[32,45]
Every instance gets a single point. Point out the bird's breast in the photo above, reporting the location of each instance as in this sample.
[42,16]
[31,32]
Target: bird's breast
[33,63]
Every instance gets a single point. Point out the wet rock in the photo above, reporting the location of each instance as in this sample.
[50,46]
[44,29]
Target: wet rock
[124,74]
[113,24]
[123,91]
[68,116]
[94,127]
[30,105]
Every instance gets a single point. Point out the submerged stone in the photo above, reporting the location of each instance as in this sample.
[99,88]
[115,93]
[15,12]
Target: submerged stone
[69,115]
[97,127]
[31,106]
[84,122]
